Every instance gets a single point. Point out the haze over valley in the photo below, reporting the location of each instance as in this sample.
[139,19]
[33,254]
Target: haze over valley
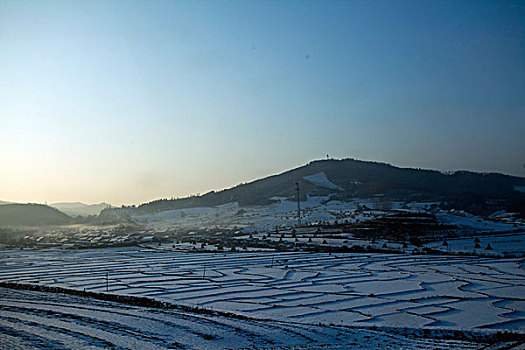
[262,175]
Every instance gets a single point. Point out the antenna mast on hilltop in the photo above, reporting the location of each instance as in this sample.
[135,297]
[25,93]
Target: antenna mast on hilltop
[298,204]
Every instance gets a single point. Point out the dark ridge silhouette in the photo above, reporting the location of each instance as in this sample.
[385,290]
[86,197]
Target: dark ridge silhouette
[31,215]
[480,193]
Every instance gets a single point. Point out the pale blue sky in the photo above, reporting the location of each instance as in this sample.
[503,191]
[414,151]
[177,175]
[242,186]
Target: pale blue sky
[126,102]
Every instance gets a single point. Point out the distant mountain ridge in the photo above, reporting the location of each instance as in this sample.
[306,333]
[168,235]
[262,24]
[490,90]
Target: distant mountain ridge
[77,208]
[349,178]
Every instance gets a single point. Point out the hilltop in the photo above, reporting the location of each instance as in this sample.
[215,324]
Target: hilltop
[346,179]
[31,215]
[74,209]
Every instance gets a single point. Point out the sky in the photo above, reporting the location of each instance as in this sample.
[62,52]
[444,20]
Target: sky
[129,101]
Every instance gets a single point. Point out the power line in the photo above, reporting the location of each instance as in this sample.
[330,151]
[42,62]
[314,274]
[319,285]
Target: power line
[298,204]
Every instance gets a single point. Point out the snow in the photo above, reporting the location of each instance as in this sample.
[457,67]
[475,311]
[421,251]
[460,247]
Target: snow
[519,188]
[30,320]
[382,290]
[472,222]
[282,214]
[501,243]
[321,180]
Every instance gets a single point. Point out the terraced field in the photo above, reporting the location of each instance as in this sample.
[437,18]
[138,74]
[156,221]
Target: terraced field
[436,293]
[31,320]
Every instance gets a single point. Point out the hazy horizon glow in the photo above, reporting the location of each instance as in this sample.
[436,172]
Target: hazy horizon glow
[126,102]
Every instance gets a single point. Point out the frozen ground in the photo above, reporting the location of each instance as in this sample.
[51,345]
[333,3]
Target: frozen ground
[33,320]
[431,292]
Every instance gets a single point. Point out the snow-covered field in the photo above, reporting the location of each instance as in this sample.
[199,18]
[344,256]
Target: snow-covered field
[431,292]
[36,320]
[512,243]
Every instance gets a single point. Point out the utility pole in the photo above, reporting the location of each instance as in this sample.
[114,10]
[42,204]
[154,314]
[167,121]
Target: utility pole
[204,271]
[298,204]
[107,283]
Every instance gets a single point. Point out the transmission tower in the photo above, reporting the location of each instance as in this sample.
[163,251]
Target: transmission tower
[298,204]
